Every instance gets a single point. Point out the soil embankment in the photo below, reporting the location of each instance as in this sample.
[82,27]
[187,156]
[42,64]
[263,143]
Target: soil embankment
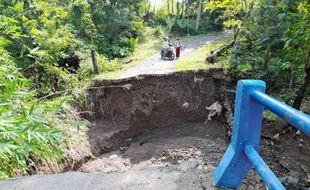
[127,108]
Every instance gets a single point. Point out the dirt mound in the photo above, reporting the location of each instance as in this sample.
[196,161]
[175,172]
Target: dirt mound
[126,108]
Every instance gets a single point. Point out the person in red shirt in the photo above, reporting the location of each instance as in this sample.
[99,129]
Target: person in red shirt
[177,48]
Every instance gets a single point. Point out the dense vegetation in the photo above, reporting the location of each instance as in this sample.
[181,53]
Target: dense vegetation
[44,46]
[271,43]
[45,58]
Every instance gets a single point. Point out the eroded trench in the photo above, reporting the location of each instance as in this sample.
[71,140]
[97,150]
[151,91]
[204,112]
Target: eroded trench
[130,107]
[156,124]
[151,131]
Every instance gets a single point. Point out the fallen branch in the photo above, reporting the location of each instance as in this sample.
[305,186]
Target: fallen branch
[128,61]
[125,86]
[213,54]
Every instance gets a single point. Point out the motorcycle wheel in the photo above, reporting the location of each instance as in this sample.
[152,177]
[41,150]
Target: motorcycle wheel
[172,56]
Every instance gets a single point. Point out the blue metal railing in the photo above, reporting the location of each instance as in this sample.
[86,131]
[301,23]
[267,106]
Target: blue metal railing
[243,151]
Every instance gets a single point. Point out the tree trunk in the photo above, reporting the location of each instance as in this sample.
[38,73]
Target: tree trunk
[154,8]
[236,32]
[292,76]
[172,8]
[168,7]
[178,11]
[302,89]
[267,56]
[182,8]
[94,60]
[245,4]
[198,14]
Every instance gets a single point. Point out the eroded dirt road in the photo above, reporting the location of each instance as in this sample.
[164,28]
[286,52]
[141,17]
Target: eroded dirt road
[169,158]
[172,158]
[155,65]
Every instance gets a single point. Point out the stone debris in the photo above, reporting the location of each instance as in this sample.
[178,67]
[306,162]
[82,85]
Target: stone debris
[179,155]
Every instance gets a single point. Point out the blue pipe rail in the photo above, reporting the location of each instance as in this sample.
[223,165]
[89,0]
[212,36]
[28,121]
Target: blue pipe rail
[296,118]
[261,167]
[243,151]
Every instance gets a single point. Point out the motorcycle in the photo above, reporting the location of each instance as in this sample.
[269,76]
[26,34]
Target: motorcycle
[167,52]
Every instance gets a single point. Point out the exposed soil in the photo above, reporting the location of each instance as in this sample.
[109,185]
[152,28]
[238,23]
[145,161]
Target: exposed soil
[287,153]
[126,108]
[149,132]
[176,157]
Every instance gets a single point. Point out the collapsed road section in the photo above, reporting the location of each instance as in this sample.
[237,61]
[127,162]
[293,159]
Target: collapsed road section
[129,107]
[150,132]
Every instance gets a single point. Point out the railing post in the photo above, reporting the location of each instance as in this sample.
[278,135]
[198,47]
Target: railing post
[248,116]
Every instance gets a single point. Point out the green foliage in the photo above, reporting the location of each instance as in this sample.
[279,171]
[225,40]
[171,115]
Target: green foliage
[117,22]
[125,47]
[271,43]
[196,59]
[180,27]
[81,19]
[26,130]
[34,37]
[162,17]
[182,20]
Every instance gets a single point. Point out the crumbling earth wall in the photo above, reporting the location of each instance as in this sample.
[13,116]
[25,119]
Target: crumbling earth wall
[128,107]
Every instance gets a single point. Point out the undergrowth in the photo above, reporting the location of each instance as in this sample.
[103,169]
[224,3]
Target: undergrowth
[196,59]
[32,132]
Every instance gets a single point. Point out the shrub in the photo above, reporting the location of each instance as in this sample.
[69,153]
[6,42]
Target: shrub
[181,26]
[26,130]
[162,17]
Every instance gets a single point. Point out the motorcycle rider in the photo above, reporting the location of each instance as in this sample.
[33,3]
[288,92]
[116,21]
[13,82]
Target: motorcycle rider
[166,45]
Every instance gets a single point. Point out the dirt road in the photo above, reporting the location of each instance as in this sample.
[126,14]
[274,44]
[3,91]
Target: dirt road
[155,65]
[174,158]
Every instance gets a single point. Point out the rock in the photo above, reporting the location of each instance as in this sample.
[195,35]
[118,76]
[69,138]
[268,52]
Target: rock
[251,187]
[292,180]
[141,143]
[185,105]
[276,137]
[129,139]
[282,179]
[112,157]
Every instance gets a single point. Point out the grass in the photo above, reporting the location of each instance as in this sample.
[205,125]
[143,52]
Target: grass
[152,46]
[146,49]
[143,51]
[196,59]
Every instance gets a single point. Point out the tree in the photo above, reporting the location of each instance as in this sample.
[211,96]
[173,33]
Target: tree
[231,15]
[306,81]
[199,14]
[168,5]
